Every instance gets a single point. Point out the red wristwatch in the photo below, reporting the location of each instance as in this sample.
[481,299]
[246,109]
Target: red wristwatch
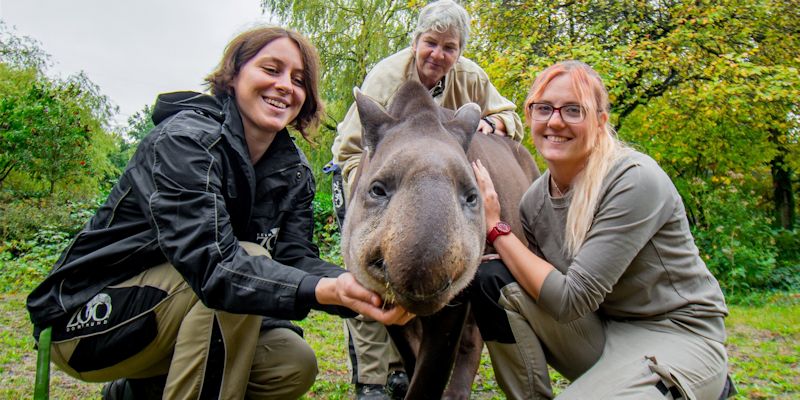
[498,230]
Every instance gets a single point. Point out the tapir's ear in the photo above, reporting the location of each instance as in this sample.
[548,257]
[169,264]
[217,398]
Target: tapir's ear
[373,120]
[465,123]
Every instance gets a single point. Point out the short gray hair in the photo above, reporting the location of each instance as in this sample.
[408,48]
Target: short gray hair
[440,16]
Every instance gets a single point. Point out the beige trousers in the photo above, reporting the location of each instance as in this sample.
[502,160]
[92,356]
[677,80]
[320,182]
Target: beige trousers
[372,353]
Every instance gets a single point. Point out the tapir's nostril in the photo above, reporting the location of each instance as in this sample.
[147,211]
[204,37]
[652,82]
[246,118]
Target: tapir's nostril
[377,264]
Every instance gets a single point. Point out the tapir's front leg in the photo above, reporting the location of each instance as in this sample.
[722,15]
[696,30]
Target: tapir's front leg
[441,333]
[467,362]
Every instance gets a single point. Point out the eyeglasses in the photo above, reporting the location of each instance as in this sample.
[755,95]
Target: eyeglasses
[570,113]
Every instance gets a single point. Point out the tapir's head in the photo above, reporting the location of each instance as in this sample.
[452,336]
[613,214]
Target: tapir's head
[414,231]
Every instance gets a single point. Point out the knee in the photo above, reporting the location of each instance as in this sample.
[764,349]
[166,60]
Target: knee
[284,366]
[303,372]
[490,279]
[484,295]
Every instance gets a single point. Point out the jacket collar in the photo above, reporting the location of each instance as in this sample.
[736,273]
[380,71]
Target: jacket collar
[281,154]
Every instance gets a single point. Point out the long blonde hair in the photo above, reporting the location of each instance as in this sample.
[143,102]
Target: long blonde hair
[605,151]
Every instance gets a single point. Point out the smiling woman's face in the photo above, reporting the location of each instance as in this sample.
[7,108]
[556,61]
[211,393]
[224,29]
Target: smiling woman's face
[435,54]
[269,88]
[560,143]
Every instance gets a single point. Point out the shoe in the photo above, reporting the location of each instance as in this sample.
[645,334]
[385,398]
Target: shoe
[135,389]
[119,389]
[371,392]
[397,385]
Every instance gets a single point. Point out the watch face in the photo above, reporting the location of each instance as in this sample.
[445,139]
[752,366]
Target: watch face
[503,227]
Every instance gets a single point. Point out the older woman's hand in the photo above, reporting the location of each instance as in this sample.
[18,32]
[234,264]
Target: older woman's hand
[497,126]
[491,203]
[346,291]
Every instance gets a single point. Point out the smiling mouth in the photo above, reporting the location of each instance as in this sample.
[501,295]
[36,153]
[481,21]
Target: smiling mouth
[557,139]
[434,65]
[276,103]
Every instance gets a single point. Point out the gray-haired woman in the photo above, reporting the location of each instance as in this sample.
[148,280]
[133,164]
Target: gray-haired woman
[433,59]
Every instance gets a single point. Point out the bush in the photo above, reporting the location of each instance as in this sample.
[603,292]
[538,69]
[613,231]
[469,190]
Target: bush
[33,233]
[22,219]
[736,240]
[787,270]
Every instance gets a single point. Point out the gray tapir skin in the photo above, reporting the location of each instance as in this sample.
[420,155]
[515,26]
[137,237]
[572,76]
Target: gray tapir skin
[415,230]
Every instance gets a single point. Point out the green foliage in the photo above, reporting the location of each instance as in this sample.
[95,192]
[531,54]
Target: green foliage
[326,229]
[139,125]
[21,52]
[33,233]
[736,243]
[48,129]
[787,271]
[51,130]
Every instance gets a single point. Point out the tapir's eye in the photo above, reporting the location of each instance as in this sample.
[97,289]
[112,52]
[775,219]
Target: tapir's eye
[377,190]
[471,198]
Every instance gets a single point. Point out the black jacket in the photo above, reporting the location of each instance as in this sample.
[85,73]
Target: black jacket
[187,196]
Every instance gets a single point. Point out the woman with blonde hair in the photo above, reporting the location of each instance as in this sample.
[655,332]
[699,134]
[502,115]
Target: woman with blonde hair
[611,291]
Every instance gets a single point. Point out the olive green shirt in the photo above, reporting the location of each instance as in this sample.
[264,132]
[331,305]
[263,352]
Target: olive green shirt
[465,83]
[639,260]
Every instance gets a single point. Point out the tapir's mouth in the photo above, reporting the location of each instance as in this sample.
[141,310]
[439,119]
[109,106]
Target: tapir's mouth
[392,293]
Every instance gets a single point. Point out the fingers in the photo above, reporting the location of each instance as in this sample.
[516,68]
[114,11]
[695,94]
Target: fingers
[490,257]
[396,315]
[365,302]
[485,183]
[484,128]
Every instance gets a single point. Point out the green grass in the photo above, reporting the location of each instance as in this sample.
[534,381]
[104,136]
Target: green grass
[763,346]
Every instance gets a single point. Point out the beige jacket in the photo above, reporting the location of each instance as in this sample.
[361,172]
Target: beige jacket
[465,83]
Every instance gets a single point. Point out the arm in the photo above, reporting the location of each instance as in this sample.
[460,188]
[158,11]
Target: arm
[188,213]
[633,208]
[528,269]
[495,106]
[347,146]
[194,231]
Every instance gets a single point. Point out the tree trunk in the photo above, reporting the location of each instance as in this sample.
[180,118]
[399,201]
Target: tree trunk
[783,196]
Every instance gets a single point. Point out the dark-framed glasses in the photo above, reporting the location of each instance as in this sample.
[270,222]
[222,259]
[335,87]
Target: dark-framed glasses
[570,113]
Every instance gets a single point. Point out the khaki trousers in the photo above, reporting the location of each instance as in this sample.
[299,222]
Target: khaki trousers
[372,353]
[604,359]
[206,353]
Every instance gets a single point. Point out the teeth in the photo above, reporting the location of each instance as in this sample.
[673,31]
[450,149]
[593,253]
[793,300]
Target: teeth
[276,103]
[557,139]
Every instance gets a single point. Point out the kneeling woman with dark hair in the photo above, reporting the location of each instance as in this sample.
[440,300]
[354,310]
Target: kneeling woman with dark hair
[185,279]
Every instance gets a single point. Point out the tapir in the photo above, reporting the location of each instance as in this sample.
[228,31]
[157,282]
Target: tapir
[415,230]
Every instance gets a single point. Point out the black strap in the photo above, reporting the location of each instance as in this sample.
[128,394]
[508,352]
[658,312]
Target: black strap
[437,89]
[662,387]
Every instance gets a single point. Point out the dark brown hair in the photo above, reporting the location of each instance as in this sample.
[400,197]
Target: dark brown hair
[246,45]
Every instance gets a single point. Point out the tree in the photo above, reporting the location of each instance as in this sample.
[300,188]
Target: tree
[51,129]
[21,52]
[139,125]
